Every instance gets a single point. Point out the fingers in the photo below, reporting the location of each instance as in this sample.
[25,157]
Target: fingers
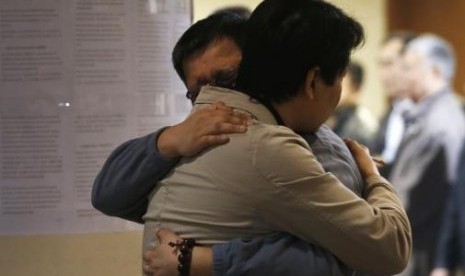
[355,146]
[214,140]
[379,162]
[147,257]
[147,270]
[204,128]
[159,234]
[219,128]
[220,109]
[221,112]
[164,236]
[222,124]
[351,144]
[220,106]
[362,157]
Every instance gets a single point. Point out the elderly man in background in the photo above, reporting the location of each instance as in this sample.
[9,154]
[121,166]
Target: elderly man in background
[428,155]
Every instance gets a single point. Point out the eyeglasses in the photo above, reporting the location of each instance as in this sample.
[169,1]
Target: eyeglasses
[192,94]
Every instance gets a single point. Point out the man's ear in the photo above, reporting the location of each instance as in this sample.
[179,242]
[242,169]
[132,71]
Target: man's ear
[310,81]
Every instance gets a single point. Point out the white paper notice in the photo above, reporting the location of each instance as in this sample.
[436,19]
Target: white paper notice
[77,78]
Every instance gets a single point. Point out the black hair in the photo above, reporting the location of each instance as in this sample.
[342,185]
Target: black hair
[239,10]
[356,74]
[202,33]
[285,39]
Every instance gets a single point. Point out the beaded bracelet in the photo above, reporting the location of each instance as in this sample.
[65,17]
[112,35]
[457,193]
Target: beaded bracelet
[185,256]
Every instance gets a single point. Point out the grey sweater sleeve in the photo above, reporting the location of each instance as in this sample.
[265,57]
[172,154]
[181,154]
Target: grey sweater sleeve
[277,254]
[128,176]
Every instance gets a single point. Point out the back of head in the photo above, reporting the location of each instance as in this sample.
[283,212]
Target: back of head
[285,39]
[203,33]
[238,10]
[437,52]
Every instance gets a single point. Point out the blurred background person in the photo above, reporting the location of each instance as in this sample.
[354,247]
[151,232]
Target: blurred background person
[428,155]
[351,119]
[391,126]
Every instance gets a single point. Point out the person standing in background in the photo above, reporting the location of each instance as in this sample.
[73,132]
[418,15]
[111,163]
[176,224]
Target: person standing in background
[351,119]
[391,126]
[428,155]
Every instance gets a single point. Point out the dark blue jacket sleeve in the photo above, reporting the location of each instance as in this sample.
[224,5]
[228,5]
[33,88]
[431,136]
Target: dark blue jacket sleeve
[277,254]
[128,176]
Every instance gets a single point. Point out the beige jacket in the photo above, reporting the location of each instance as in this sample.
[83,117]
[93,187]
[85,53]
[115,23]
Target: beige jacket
[268,180]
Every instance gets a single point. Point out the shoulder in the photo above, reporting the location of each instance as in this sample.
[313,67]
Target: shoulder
[280,155]
[265,135]
[446,117]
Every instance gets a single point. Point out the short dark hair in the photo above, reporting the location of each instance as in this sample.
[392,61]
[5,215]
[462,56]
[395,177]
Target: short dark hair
[285,39]
[239,10]
[356,74]
[203,33]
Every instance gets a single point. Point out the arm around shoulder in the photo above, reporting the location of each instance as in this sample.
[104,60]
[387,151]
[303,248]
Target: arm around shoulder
[129,174]
[259,256]
[371,235]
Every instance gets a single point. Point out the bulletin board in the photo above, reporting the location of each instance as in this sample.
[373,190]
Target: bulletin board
[77,78]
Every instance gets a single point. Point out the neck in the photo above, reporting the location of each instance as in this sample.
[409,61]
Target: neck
[351,99]
[293,116]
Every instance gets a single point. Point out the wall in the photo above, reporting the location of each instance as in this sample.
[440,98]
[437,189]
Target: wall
[202,8]
[119,253]
[71,255]
[371,14]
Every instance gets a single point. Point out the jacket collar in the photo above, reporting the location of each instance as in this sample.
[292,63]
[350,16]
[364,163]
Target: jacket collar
[235,99]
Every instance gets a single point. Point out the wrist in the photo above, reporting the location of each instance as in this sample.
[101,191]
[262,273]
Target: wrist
[371,175]
[202,261]
[165,144]
[185,250]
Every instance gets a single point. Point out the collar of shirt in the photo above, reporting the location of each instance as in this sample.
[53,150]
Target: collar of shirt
[236,100]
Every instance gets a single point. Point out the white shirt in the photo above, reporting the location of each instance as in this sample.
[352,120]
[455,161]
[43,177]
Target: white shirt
[395,129]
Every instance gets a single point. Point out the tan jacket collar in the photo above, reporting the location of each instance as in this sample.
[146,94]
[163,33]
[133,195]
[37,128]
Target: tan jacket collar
[237,100]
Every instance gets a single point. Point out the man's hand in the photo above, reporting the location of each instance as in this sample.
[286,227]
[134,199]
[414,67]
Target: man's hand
[203,129]
[362,157]
[163,259]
